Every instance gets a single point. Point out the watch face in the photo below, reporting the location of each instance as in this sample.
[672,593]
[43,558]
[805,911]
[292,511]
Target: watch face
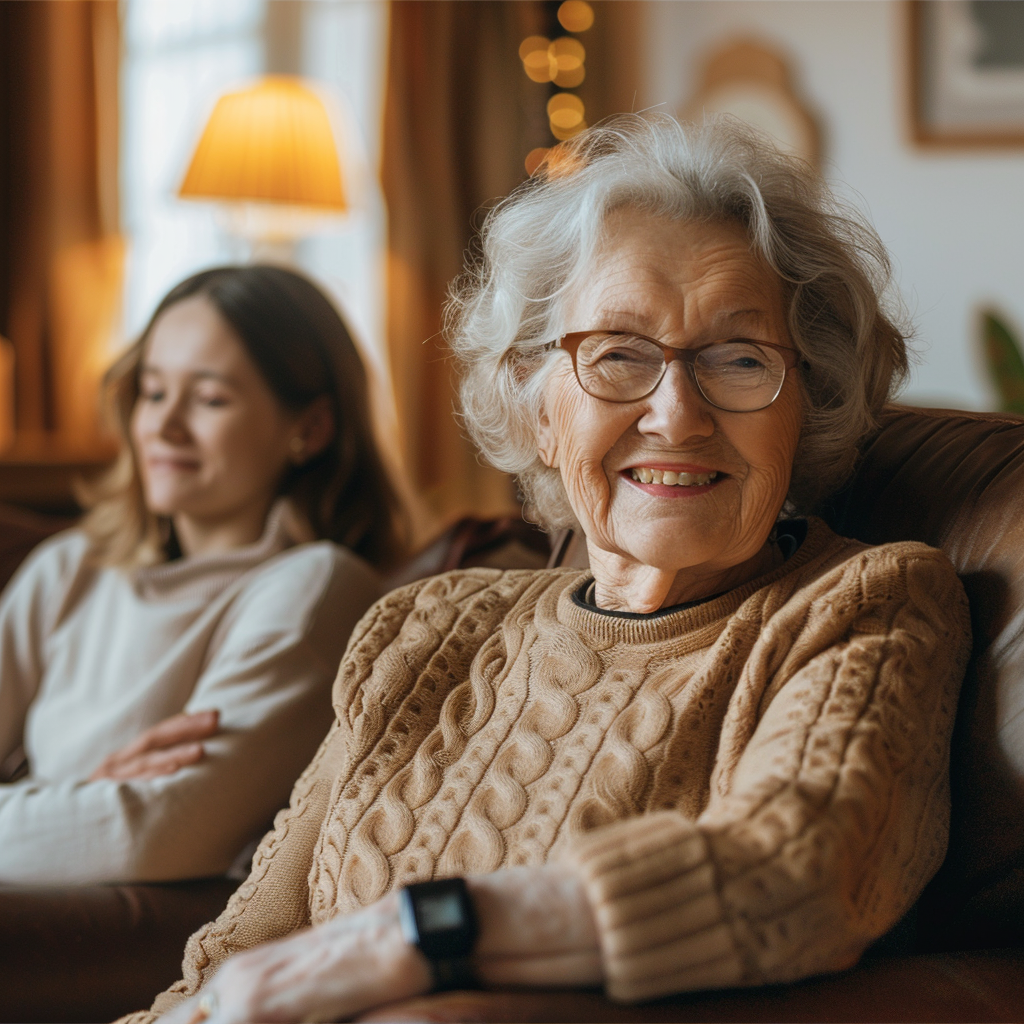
[439,912]
[438,918]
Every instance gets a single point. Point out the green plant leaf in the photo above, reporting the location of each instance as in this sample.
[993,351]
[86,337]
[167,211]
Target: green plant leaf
[1005,362]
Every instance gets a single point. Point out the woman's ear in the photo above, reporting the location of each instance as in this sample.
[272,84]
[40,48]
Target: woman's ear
[314,430]
[547,442]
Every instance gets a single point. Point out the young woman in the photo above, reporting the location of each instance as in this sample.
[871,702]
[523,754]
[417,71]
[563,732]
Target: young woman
[167,666]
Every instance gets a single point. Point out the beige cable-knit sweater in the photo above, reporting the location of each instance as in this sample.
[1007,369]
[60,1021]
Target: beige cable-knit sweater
[753,789]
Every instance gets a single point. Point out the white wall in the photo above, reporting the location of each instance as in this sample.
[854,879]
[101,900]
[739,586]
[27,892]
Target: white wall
[953,221]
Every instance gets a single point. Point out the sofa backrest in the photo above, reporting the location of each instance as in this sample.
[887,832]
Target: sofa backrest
[955,480]
[20,532]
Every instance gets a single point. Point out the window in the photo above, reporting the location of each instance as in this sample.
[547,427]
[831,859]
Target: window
[179,57]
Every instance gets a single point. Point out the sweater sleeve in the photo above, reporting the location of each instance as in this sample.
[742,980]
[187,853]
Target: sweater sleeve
[24,606]
[275,898]
[269,673]
[829,805]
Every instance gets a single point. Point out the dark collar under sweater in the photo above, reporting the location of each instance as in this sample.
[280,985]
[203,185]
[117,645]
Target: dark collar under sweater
[789,534]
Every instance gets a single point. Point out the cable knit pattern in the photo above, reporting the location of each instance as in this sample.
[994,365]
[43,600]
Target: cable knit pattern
[753,789]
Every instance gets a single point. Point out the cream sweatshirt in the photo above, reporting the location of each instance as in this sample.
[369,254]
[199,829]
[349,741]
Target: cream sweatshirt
[90,657]
[752,789]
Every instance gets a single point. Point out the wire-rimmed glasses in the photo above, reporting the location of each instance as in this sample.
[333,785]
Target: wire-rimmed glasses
[738,375]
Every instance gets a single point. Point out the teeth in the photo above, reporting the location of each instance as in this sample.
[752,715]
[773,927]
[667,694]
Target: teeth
[644,475]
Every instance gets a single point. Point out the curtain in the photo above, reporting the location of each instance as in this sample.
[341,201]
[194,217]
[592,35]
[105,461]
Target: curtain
[60,253]
[455,127]
[460,117]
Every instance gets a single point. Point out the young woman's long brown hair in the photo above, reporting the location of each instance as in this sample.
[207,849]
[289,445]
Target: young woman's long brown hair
[300,345]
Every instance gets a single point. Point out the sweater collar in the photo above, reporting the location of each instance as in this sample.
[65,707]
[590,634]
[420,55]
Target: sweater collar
[206,576]
[699,621]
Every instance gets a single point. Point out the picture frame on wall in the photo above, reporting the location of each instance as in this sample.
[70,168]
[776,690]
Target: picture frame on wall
[967,72]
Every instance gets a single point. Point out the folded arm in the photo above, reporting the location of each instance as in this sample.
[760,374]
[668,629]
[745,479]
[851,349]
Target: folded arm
[162,749]
[273,707]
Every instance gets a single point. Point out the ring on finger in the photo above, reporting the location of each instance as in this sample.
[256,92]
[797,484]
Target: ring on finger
[206,1008]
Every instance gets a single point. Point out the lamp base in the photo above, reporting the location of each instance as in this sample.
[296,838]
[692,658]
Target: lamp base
[271,232]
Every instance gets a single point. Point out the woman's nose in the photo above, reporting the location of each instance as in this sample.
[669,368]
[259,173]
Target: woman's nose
[676,410]
[169,421]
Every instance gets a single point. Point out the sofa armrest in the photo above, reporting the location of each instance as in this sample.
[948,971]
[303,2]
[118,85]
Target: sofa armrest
[89,953]
[980,986]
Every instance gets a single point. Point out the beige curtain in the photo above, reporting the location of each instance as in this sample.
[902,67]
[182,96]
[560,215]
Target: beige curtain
[60,252]
[460,117]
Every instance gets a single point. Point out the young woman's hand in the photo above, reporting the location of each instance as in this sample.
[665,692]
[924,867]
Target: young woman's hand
[536,930]
[162,749]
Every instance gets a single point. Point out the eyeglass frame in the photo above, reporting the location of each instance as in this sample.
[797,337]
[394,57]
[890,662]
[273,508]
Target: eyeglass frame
[791,359]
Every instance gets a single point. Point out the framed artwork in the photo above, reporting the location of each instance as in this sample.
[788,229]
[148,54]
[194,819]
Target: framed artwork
[967,72]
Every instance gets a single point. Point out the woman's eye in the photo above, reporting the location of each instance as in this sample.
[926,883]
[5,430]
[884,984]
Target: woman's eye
[618,355]
[735,357]
[151,395]
[620,349]
[209,394]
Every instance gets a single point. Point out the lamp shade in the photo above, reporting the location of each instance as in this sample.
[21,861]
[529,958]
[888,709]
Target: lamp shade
[273,143]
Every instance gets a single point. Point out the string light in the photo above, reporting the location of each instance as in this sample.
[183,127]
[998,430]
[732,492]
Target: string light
[567,56]
[556,162]
[561,62]
[565,113]
[575,15]
[531,44]
[534,52]
[535,158]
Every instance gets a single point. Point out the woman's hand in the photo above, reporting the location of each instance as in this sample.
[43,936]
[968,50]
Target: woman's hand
[536,929]
[330,972]
[162,749]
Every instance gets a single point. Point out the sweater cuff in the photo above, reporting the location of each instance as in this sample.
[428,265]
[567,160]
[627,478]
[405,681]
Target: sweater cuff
[652,888]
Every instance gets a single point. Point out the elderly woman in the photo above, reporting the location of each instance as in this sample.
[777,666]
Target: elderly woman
[716,758]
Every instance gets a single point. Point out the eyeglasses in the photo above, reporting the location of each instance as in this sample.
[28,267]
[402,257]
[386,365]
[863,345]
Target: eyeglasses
[735,376]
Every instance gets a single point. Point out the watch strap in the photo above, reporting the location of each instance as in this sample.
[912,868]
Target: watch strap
[454,975]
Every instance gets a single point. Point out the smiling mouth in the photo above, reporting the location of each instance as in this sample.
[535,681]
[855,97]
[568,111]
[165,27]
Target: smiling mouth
[666,477]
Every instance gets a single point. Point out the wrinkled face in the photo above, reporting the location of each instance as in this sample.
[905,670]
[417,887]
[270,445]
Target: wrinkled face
[686,285]
[211,438]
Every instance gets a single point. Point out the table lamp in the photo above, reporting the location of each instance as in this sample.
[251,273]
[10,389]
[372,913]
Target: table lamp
[269,155]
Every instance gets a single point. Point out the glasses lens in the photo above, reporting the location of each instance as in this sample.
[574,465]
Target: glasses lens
[618,367]
[740,376]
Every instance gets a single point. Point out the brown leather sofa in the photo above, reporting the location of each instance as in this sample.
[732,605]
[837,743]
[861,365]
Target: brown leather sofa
[951,479]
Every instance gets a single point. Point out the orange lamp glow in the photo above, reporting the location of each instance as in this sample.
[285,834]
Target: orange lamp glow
[270,143]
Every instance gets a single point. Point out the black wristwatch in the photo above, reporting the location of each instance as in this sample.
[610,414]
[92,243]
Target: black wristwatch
[439,919]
